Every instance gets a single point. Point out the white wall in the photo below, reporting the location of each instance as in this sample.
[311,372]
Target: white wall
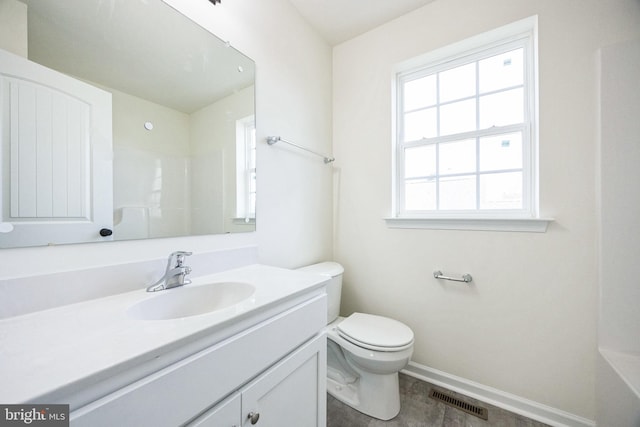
[293,93]
[527,324]
[13,27]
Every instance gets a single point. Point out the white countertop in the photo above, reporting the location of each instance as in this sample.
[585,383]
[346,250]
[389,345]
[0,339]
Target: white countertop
[45,355]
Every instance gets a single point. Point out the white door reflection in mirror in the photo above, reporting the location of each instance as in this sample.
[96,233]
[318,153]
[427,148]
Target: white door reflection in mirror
[56,156]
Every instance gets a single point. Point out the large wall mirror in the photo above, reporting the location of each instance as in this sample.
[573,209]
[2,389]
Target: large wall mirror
[121,120]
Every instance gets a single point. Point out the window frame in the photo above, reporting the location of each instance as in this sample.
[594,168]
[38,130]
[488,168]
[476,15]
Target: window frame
[245,171]
[521,34]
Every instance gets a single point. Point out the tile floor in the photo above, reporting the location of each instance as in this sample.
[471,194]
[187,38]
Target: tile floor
[419,410]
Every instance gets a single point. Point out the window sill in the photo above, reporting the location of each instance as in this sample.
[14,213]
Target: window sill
[530,225]
[244,221]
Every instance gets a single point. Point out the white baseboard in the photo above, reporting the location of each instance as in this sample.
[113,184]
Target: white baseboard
[510,402]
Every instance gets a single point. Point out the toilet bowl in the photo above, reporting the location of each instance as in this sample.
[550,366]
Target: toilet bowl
[364,353]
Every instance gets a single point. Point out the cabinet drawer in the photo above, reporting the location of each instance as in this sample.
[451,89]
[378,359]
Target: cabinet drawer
[177,393]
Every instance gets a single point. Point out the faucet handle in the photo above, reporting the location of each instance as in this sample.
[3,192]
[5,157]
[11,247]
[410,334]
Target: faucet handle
[179,255]
[184,253]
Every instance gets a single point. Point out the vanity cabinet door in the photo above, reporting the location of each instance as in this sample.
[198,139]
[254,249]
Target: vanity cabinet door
[225,414]
[292,392]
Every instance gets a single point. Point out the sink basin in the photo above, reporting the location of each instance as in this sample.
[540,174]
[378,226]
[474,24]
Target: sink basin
[191,300]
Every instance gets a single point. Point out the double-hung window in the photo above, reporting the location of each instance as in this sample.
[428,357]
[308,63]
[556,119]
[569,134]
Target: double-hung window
[466,132]
[246,169]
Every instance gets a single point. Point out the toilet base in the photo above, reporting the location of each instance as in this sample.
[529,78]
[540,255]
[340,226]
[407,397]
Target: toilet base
[377,396]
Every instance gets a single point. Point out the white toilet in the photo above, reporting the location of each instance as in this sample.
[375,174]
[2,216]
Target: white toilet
[364,353]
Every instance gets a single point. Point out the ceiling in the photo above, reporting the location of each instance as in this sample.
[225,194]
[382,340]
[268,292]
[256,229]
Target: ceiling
[341,20]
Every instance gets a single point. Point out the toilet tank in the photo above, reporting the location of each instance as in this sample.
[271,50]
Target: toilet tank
[334,287]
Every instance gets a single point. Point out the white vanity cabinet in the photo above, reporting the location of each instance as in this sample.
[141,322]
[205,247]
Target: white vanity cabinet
[275,368]
[291,393]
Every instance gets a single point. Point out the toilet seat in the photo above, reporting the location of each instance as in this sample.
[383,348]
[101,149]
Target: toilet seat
[375,332]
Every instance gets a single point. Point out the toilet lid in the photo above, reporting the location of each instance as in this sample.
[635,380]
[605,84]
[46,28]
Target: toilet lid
[375,332]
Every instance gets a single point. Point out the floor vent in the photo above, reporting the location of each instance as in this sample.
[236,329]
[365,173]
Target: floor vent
[448,399]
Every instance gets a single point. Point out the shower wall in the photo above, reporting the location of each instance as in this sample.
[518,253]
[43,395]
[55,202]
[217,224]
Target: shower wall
[150,169]
[618,383]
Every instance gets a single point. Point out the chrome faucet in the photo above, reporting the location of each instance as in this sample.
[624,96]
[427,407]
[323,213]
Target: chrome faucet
[175,275]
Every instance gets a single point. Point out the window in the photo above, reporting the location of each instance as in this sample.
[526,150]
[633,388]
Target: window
[246,169]
[466,131]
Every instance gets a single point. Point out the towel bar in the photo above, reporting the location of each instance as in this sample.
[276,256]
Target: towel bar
[273,139]
[466,278]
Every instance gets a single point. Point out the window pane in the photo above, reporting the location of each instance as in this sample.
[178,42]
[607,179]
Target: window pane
[420,161]
[458,157]
[501,191]
[501,152]
[501,71]
[457,83]
[458,193]
[502,108]
[420,93]
[420,195]
[420,124]
[458,117]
